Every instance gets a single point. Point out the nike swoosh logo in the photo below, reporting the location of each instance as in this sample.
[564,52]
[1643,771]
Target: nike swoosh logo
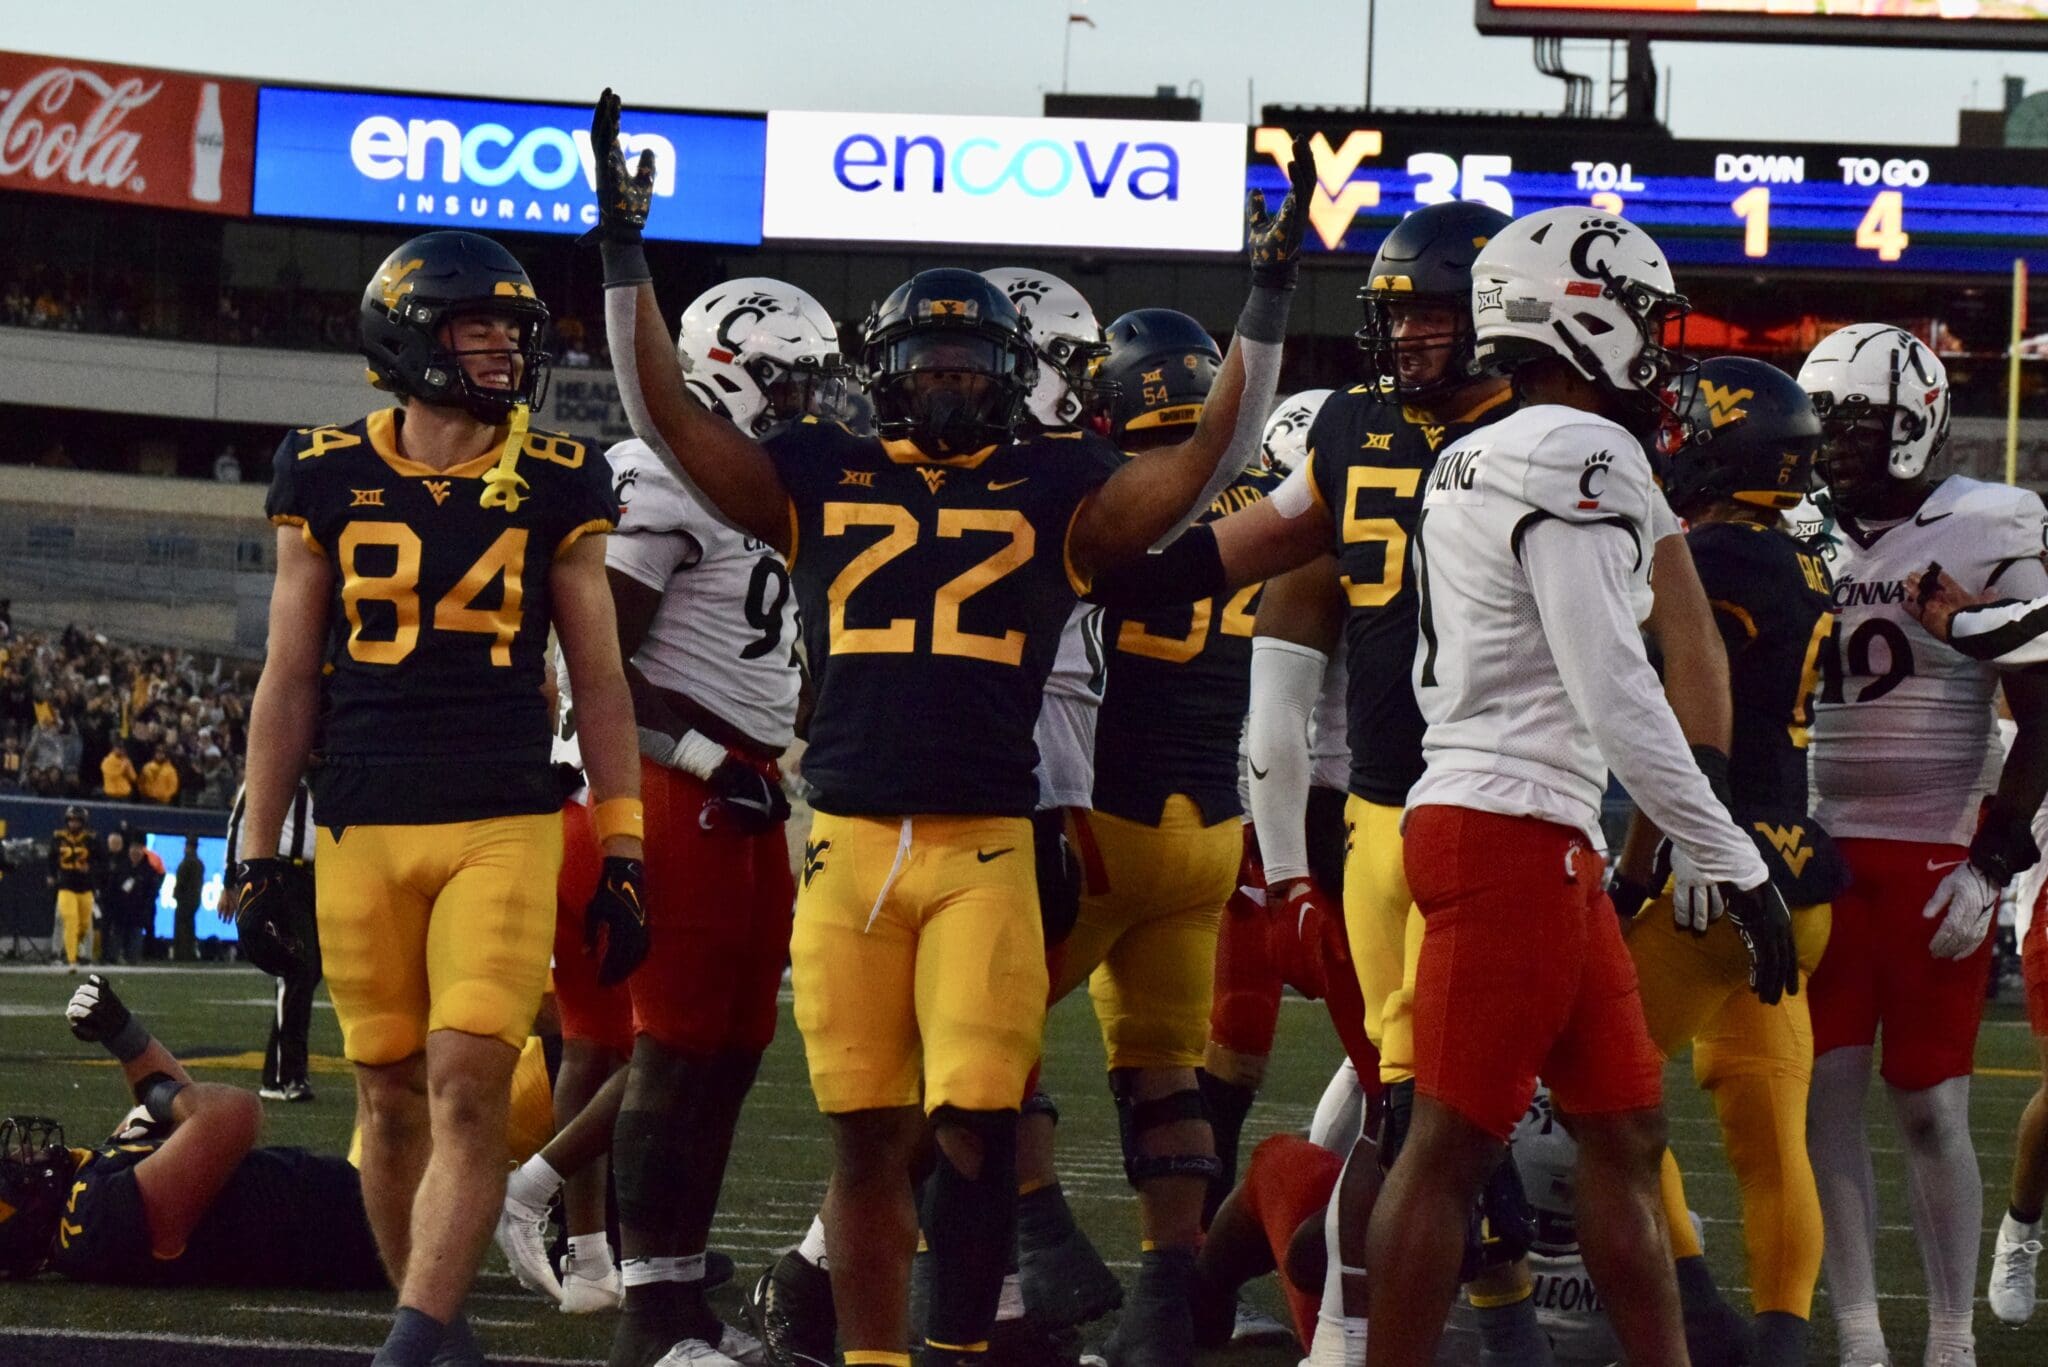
[997,486]
[1257,772]
[1933,867]
[1923,520]
[985,855]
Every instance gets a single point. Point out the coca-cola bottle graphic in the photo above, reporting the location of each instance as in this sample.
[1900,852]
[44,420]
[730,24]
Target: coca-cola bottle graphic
[209,146]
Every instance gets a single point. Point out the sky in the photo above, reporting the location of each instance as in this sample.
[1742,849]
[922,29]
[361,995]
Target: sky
[998,56]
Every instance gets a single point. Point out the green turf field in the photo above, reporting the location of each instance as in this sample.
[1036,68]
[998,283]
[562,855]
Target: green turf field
[779,1164]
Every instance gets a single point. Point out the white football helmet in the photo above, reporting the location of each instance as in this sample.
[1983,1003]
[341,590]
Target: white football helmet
[1547,1160]
[1876,371]
[1285,443]
[1066,336]
[762,352]
[1582,285]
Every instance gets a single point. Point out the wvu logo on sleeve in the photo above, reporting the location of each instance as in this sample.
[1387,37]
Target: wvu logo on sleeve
[438,488]
[933,478]
[1790,843]
[864,479]
[814,858]
[367,498]
[1724,405]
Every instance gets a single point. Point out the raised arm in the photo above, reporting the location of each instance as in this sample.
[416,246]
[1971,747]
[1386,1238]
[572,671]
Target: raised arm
[1157,496]
[728,471]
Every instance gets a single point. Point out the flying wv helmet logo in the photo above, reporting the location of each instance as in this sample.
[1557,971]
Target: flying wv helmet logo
[966,309]
[1593,479]
[1724,405]
[394,283]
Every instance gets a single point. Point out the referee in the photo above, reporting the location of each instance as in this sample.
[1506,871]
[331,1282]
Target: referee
[284,1059]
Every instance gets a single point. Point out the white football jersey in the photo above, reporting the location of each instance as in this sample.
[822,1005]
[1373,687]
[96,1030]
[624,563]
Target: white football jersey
[725,634]
[1905,743]
[1068,712]
[565,748]
[1528,705]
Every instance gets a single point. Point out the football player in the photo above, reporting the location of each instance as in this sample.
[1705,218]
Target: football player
[1061,1281]
[423,554]
[939,563]
[1904,755]
[180,1195]
[74,872]
[2008,633]
[1162,843]
[1532,556]
[1746,454]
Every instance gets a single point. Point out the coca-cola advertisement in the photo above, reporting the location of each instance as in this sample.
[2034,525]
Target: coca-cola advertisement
[126,134]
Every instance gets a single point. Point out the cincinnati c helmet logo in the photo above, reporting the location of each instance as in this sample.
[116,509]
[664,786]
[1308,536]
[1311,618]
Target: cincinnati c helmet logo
[1594,230]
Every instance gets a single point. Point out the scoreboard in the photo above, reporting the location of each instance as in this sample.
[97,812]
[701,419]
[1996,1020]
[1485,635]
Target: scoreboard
[1921,23]
[1719,202]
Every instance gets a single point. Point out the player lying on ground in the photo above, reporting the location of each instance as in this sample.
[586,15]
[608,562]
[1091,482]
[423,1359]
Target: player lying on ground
[180,1195]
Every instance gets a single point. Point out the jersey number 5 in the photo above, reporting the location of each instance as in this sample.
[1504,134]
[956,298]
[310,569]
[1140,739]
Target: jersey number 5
[899,637]
[456,611]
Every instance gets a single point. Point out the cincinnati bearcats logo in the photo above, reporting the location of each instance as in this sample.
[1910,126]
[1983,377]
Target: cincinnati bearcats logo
[1027,291]
[1593,479]
[749,310]
[1591,232]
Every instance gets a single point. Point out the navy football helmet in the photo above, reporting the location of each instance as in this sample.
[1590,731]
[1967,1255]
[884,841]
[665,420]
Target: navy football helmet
[948,362]
[1426,259]
[1747,432]
[430,280]
[35,1170]
[1158,373]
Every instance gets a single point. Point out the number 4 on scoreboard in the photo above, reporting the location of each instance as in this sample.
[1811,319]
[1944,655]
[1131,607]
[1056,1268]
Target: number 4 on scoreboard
[1882,230]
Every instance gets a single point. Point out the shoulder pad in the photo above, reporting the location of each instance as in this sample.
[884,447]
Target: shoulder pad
[2008,522]
[1575,466]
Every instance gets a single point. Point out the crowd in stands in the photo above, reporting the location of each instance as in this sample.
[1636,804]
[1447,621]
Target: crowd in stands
[83,717]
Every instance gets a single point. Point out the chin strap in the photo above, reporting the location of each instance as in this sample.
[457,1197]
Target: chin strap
[505,487]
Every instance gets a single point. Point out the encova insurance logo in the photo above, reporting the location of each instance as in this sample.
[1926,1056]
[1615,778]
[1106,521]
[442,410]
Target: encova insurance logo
[393,158]
[1143,185]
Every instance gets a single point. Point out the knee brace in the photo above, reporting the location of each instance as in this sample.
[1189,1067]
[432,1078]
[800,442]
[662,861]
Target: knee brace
[970,1224]
[1502,1225]
[1135,1119]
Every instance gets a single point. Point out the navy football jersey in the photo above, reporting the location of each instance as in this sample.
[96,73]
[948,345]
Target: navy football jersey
[431,706]
[1368,459]
[1179,683]
[286,1217]
[932,594]
[1771,599]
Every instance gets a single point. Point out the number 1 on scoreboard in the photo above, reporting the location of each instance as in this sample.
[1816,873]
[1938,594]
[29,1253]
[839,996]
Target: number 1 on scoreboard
[1753,207]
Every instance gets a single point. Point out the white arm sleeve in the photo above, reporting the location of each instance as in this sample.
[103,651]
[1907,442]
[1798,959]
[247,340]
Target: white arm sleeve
[2009,635]
[1286,680]
[1261,382]
[1580,576]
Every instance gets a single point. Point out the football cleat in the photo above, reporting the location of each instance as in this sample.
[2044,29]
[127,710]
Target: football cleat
[1255,1326]
[1065,1282]
[583,1294]
[523,1238]
[2012,1272]
[791,1309]
[695,1353]
[287,1091]
[1157,1329]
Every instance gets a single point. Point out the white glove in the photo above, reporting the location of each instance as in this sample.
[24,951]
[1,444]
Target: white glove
[1696,900]
[1966,902]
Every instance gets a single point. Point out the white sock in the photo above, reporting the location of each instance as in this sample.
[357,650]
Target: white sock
[2011,1231]
[590,1254]
[1946,1190]
[1950,1329]
[533,1183]
[812,1249]
[1010,1304]
[1340,1115]
[642,1271]
[1339,1343]
[1840,1149]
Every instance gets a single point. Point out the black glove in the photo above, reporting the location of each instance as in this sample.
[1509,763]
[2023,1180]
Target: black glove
[1629,897]
[274,917]
[98,1016]
[1274,240]
[617,911]
[744,799]
[622,199]
[1761,919]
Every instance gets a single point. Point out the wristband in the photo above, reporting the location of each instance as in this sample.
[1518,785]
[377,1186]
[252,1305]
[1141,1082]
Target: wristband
[693,752]
[625,264]
[130,1041]
[1265,314]
[156,1092]
[2003,846]
[617,816]
[1714,764]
